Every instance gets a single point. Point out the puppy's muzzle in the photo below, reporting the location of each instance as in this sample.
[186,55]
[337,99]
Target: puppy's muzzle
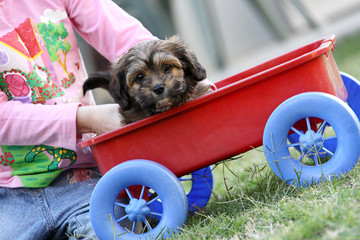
[158,89]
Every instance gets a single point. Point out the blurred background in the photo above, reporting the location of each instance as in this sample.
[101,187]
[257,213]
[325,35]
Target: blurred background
[229,36]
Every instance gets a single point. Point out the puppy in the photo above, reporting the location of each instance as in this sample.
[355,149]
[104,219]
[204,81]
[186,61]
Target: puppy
[152,77]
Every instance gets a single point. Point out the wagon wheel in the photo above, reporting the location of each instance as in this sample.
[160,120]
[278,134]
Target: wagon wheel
[201,188]
[329,142]
[136,223]
[201,184]
[314,162]
[352,86]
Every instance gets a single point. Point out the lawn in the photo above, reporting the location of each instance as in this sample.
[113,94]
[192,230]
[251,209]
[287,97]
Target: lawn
[250,202]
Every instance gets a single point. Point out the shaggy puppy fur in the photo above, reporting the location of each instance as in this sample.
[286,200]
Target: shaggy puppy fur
[152,77]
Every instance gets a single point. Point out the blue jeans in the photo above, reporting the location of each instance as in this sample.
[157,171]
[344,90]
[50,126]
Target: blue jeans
[59,211]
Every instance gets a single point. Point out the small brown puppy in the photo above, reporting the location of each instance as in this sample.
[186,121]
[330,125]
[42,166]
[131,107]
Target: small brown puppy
[152,77]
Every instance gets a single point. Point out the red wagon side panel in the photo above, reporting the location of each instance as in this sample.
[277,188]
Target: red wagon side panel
[226,122]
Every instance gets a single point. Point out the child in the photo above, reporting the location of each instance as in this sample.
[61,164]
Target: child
[45,180]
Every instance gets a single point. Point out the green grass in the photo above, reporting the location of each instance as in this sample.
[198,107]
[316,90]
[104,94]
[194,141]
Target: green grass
[264,207]
[250,202]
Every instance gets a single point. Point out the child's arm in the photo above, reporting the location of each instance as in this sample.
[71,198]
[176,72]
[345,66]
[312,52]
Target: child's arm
[108,28]
[53,125]
[32,124]
[112,32]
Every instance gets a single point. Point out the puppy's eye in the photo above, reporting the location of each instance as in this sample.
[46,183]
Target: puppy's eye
[167,68]
[139,78]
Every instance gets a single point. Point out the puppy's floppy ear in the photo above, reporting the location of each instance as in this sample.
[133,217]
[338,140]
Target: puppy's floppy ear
[192,68]
[118,88]
[97,80]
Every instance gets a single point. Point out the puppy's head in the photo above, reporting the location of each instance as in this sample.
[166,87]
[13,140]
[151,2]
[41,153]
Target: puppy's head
[155,76]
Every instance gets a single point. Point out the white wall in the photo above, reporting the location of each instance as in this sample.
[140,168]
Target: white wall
[232,32]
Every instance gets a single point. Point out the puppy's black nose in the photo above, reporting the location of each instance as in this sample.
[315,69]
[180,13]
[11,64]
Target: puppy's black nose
[158,89]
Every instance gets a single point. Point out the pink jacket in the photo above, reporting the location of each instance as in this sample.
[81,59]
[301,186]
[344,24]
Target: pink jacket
[41,77]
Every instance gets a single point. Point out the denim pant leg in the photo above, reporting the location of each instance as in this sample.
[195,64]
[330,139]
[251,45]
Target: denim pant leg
[69,205]
[24,214]
[59,211]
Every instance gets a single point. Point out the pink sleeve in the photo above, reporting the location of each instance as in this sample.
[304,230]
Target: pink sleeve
[104,25]
[34,124]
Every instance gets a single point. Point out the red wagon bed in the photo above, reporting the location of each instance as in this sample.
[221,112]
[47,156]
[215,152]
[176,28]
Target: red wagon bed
[287,104]
[225,122]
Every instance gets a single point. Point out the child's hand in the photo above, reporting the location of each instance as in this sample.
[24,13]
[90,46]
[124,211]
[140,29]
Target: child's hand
[98,119]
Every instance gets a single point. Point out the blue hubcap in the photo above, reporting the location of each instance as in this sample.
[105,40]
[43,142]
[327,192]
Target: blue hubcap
[311,142]
[137,210]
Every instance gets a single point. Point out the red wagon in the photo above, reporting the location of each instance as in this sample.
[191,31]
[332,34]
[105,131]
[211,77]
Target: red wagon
[293,105]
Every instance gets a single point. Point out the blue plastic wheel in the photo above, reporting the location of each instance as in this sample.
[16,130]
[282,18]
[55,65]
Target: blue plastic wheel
[314,162]
[201,188]
[200,191]
[353,88]
[329,143]
[147,176]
